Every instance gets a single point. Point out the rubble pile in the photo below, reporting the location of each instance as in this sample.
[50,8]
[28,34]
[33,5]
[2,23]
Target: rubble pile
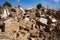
[38,25]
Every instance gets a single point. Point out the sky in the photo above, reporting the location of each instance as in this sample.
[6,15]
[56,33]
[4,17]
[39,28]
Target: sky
[55,4]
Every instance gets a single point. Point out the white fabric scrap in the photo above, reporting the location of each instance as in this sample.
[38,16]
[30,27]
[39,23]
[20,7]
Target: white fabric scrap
[22,9]
[5,13]
[27,19]
[8,13]
[32,39]
[54,20]
[43,20]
